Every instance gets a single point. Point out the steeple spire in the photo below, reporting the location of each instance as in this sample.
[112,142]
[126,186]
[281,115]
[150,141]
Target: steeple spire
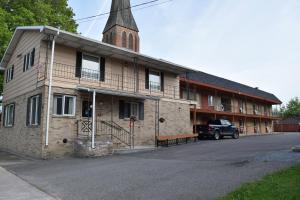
[120,14]
[121,29]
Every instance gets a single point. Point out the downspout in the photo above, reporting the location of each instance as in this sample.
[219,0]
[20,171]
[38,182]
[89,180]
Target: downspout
[50,88]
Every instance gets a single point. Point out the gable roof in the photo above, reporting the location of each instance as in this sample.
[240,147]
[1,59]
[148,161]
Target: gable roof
[120,14]
[216,81]
[91,45]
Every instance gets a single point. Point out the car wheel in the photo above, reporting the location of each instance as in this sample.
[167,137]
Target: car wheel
[235,135]
[217,135]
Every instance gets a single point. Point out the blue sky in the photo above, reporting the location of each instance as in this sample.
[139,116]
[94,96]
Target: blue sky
[249,41]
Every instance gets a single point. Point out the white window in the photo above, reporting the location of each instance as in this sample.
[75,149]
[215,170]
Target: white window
[64,105]
[154,80]
[9,115]
[210,100]
[9,74]
[34,110]
[90,67]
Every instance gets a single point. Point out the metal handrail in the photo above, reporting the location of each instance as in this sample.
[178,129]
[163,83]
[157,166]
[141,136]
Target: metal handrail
[115,131]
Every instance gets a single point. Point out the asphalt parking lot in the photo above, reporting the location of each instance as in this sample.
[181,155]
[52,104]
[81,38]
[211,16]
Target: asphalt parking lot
[202,170]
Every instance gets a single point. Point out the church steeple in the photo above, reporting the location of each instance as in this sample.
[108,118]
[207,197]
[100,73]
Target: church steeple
[121,29]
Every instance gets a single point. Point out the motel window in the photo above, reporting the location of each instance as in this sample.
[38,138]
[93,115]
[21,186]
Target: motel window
[210,100]
[9,74]
[131,109]
[34,110]
[154,80]
[9,112]
[64,105]
[90,67]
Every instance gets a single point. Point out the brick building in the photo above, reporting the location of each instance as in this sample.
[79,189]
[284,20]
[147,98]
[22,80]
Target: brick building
[65,93]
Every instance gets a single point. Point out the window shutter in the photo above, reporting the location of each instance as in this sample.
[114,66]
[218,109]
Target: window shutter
[12,72]
[6,77]
[32,57]
[162,81]
[146,78]
[27,61]
[24,64]
[78,64]
[28,111]
[141,110]
[102,69]
[121,109]
[39,109]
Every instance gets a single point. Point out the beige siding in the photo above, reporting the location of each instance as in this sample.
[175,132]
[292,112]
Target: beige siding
[23,82]
[116,71]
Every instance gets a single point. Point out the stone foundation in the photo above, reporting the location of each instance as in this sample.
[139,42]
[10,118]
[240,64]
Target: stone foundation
[83,148]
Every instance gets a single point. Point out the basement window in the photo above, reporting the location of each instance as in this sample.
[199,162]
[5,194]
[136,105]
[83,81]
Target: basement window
[64,105]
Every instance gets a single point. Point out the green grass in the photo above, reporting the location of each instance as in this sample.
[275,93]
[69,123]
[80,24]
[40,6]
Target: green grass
[282,185]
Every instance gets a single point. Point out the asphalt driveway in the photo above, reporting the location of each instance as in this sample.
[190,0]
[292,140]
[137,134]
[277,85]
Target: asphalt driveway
[202,170]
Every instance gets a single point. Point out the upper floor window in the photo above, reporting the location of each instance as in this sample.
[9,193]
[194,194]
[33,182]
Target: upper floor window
[9,74]
[64,105]
[210,100]
[28,60]
[9,112]
[90,67]
[124,40]
[154,80]
[130,41]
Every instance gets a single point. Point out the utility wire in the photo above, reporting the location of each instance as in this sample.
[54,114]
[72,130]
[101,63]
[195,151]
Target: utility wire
[99,16]
[137,5]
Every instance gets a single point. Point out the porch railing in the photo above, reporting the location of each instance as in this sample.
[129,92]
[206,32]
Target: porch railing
[118,81]
[109,129]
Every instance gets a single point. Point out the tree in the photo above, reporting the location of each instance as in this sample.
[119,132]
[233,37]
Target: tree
[292,109]
[15,13]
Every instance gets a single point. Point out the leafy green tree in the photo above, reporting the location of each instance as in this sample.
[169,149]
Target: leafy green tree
[292,109]
[15,13]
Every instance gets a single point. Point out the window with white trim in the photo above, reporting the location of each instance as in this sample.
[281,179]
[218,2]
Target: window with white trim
[9,115]
[9,74]
[34,110]
[64,105]
[90,67]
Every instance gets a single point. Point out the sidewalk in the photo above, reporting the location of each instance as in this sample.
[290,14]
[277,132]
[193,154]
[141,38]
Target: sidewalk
[14,188]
